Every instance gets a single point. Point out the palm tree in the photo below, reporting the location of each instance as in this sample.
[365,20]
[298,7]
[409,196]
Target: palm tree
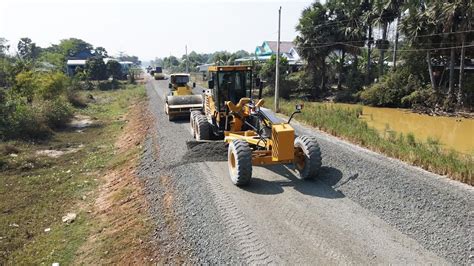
[315,30]
[385,12]
[350,29]
[418,27]
[456,17]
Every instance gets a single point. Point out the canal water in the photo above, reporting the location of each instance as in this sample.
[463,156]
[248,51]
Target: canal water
[452,132]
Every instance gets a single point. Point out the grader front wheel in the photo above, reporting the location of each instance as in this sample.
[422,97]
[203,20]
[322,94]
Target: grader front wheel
[192,119]
[201,127]
[307,157]
[239,157]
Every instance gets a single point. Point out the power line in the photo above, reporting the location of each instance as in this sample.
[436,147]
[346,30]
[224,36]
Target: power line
[444,33]
[415,50]
[390,49]
[324,44]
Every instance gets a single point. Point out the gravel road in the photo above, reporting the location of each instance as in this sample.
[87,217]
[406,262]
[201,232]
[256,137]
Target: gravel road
[364,208]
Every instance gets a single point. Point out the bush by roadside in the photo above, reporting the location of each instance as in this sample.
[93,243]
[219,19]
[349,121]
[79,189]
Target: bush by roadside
[36,104]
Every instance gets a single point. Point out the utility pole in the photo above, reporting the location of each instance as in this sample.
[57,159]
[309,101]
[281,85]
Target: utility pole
[187,59]
[277,68]
[395,48]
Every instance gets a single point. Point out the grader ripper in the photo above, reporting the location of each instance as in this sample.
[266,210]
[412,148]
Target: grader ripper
[254,135]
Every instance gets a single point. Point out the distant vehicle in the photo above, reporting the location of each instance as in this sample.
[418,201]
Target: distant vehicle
[158,73]
[181,99]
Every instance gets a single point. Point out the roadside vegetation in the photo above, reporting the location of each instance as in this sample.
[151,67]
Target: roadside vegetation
[63,142]
[37,97]
[348,50]
[345,123]
[43,180]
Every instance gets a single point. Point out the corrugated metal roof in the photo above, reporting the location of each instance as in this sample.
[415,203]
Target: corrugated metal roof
[76,62]
[285,46]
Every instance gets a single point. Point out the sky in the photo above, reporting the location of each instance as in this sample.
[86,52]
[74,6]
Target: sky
[148,28]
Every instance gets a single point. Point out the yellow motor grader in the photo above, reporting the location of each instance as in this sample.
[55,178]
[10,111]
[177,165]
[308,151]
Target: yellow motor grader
[253,134]
[181,99]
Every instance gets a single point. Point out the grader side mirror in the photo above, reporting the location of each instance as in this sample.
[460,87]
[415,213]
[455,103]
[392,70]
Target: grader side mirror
[299,107]
[194,84]
[210,84]
[170,86]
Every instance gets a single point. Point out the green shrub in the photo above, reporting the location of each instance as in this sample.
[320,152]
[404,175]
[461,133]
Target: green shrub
[50,85]
[109,85]
[425,97]
[76,99]
[57,112]
[26,84]
[390,90]
[22,120]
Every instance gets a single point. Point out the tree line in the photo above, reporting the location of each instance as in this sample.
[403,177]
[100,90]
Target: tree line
[351,55]
[175,64]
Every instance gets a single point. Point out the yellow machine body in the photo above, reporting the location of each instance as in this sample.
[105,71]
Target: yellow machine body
[279,149]
[255,136]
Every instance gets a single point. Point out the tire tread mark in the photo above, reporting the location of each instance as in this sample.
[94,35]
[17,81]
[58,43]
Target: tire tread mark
[252,250]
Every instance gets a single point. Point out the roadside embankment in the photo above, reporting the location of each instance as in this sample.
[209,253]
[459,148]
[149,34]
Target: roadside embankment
[75,196]
[345,123]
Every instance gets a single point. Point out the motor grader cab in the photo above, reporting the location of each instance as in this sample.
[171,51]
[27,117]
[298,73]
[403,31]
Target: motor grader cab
[181,99]
[233,111]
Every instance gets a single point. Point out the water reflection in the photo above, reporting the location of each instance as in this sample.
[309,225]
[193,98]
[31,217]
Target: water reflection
[452,132]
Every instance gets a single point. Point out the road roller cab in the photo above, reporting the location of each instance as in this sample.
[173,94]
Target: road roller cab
[181,99]
[233,111]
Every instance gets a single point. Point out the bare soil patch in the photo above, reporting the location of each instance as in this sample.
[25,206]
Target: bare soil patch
[120,209]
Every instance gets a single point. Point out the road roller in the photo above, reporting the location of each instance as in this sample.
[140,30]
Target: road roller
[233,111]
[181,99]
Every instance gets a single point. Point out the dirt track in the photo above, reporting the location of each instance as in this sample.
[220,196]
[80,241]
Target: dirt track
[364,208]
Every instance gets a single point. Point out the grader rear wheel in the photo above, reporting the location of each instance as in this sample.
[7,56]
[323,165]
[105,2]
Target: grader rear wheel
[239,157]
[307,157]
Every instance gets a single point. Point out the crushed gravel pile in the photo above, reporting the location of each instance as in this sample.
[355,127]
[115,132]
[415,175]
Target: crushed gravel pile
[205,151]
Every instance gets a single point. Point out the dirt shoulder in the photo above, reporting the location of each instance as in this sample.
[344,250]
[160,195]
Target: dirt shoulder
[75,198]
[120,209]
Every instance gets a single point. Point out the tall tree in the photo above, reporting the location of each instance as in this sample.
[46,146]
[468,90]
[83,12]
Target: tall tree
[3,47]
[385,12]
[113,69]
[315,31]
[456,18]
[27,49]
[101,52]
[73,46]
[95,69]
